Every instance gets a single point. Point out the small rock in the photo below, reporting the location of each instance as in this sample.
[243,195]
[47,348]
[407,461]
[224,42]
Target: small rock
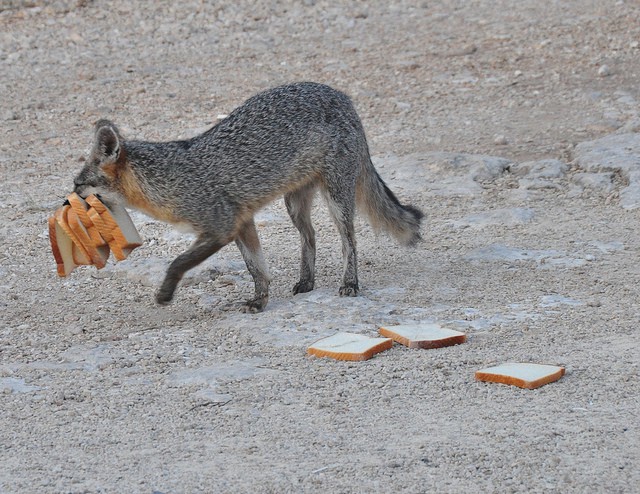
[604,71]
[500,140]
[75,38]
[75,329]
[464,50]
[632,125]
[11,116]
[209,396]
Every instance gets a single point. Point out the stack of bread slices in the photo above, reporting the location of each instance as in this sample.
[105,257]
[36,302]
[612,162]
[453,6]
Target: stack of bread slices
[85,231]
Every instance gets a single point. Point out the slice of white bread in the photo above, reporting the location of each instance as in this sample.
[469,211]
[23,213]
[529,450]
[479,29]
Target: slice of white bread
[98,254]
[118,252]
[66,252]
[81,208]
[349,346]
[61,246]
[115,225]
[97,220]
[523,375]
[423,335]
[79,252]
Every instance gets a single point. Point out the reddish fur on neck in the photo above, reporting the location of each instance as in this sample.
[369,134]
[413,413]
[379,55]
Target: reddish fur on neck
[136,197]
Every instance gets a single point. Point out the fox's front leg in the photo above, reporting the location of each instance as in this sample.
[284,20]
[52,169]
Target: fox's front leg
[204,247]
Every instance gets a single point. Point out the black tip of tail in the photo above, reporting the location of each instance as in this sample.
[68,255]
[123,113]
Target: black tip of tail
[415,212]
[417,217]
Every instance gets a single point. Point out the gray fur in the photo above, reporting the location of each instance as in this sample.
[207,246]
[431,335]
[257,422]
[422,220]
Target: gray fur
[290,140]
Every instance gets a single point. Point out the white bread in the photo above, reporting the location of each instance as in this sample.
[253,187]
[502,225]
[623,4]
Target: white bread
[99,223]
[98,254]
[67,254]
[115,226]
[118,252]
[423,335]
[81,208]
[523,375]
[349,346]
[79,252]
[84,235]
[61,246]
[119,222]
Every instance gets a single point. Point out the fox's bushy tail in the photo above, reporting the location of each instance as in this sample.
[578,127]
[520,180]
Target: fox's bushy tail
[384,210]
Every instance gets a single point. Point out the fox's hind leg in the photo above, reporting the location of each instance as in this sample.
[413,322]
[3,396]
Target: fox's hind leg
[249,245]
[299,204]
[340,196]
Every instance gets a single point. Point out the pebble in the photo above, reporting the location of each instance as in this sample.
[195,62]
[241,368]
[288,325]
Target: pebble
[604,71]
[75,329]
[11,116]
[500,140]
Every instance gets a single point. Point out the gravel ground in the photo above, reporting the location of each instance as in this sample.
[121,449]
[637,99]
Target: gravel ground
[513,125]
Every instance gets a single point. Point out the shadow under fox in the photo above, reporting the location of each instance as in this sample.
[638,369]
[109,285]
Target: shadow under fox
[291,140]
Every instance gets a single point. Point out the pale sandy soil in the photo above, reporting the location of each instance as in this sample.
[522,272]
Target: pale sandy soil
[531,249]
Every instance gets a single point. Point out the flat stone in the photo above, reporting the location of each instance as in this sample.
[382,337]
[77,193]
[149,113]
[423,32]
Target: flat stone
[540,169]
[614,153]
[16,385]
[537,184]
[598,181]
[448,174]
[508,217]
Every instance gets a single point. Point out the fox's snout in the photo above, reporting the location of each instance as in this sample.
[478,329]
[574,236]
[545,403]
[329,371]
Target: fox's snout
[80,189]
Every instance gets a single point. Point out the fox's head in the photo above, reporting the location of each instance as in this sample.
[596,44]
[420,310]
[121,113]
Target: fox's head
[101,174]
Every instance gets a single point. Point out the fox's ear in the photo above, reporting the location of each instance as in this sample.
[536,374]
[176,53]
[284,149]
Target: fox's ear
[107,144]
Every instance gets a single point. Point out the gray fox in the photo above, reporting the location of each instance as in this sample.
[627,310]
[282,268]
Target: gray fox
[289,140]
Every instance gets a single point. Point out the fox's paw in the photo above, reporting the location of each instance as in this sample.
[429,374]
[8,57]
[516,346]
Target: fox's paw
[348,290]
[164,297]
[255,305]
[302,287]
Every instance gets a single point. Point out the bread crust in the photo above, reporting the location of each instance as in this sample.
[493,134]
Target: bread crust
[426,341]
[80,207]
[112,222]
[79,252]
[324,347]
[80,235]
[97,254]
[490,375]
